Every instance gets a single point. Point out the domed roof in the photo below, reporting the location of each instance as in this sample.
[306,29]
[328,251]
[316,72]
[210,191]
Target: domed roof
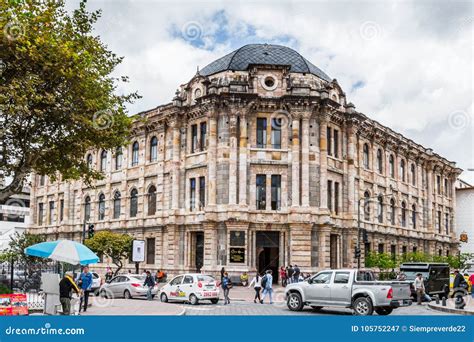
[241,58]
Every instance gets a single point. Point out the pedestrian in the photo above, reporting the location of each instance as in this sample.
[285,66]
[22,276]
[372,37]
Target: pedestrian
[296,274]
[419,285]
[150,282]
[257,286]
[66,286]
[290,274]
[459,284]
[267,283]
[283,276]
[222,274]
[109,275]
[85,281]
[471,281]
[226,286]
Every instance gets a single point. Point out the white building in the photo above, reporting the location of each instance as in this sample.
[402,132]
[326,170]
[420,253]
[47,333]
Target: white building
[465,215]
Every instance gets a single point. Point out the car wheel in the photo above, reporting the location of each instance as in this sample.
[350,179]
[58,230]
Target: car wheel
[103,294]
[127,295]
[384,311]
[363,306]
[96,292]
[317,308]
[152,296]
[164,298]
[193,299]
[294,302]
[215,301]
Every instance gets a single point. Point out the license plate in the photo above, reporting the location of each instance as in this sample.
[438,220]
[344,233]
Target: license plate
[210,294]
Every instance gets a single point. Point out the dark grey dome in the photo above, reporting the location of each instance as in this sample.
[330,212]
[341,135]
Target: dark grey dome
[240,59]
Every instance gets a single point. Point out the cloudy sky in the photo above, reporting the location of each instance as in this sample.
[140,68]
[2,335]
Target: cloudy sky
[408,65]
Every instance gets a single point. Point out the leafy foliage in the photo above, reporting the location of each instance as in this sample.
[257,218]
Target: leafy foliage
[117,247]
[57,96]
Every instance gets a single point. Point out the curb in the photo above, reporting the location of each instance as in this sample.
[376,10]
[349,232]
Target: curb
[450,310]
[182,312]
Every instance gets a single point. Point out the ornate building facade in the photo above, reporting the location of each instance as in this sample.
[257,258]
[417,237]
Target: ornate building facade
[258,162]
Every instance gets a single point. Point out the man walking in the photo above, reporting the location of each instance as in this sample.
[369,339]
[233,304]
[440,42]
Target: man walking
[296,274]
[66,286]
[85,281]
[267,283]
[150,283]
[419,285]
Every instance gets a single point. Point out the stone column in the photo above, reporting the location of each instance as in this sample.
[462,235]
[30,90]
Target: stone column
[295,161]
[212,160]
[233,168]
[429,197]
[210,247]
[324,247]
[300,237]
[351,172]
[305,160]
[243,160]
[175,170]
[323,153]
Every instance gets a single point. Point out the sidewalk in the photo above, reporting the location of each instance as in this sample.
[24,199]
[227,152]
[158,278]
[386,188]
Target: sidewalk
[240,293]
[450,307]
[136,307]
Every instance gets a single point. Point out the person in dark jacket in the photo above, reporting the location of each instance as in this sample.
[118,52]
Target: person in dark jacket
[458,284]
[85,281]
[290,274]
[66,286]
[226,286]
[296,274]
[150,282]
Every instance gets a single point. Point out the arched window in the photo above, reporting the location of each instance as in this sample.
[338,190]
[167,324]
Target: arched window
[404,214]
[118,158]
[413,216]
[392,212]
[402,170]
[153,149]
[391,165]
[365,150]
[89,161]
[152,200]
[413,174]
[379,161]
[197,93]
[103,160]
[101,207]
[135,148]
[380,209]
[117,204]
[87,208]
[367,206]
[133,203]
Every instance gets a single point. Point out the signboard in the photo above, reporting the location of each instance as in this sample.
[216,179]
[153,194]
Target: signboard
[138,251]
[464,237]
[237,255]
[13,304]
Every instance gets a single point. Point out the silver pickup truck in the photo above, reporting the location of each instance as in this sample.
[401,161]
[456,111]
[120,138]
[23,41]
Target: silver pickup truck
[348,288]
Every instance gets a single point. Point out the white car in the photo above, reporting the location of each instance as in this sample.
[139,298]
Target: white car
[192,288]
[96,283]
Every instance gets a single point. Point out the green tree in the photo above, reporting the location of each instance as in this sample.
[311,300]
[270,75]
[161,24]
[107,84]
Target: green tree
[57,96]
[117,247]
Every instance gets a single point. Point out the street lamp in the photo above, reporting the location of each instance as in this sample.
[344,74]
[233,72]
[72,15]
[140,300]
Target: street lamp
[359,229]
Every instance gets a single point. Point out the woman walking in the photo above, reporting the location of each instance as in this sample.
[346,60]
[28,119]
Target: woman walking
[257,286]
[226,286]
[283,276]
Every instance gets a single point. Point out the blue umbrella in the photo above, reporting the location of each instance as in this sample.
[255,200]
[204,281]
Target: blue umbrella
[63,250]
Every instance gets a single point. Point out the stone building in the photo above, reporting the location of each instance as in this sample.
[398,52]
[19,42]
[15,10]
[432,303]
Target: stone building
[260,161]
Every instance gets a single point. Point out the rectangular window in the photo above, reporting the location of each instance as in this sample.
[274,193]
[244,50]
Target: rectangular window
[445,187]
[202,192]
[336,143]
[439,221]
[329,204]
[329,140]
[261,192]
[414,249]
[393,251]
[381,248]
[438,184]
[276,192]
[404,250]
[261,132]
[194,132]
[40,214]
[276,133]
[51,212]
[336,197]
[446,223]
[61,210]
[150,250]
[192,195]
[203,138]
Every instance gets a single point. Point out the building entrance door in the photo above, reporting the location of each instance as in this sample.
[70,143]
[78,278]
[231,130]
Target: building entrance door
[199,249]
[268,252]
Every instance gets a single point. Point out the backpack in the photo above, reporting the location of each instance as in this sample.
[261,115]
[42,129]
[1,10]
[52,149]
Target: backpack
[264,281]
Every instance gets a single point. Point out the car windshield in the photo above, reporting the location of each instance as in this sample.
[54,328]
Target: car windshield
[205,278]
[411,274]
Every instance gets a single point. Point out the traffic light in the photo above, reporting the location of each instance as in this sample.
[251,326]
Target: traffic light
[357,252]
[90,231]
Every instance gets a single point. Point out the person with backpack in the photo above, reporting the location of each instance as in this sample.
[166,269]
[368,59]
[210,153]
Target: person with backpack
[459,284]
[226,286]
[267,283]
[257,282]
[296,274]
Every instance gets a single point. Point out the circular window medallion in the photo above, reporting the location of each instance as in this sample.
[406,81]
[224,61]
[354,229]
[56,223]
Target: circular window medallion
[269,82]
